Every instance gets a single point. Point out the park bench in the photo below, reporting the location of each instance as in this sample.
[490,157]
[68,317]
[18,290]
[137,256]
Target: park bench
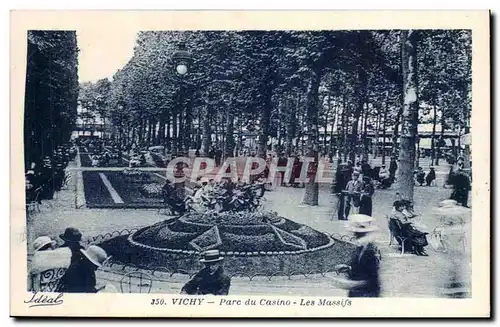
[397,231]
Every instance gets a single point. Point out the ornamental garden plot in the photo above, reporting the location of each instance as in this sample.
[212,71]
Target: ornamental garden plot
[252,241]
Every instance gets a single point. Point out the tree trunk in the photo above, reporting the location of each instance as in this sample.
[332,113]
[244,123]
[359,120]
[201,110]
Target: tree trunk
[360,98]
[174,134]
[264,125]
[383,130]
[229,138]
[433,137]
[325,125]
[344,127]
[395,133]
[441,139]
[312,187]
[335,120]
[168,136]
[405,182]
[365,134]
[377,127]
[141,132]
[207,133]
[161,130]
[290,129]
[188,122]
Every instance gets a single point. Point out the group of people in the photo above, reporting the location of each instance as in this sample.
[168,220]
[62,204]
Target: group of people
[46,177]
[69,268]
[355,188]
[422,177]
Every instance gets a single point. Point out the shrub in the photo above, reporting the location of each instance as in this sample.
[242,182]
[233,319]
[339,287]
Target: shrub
[250,243]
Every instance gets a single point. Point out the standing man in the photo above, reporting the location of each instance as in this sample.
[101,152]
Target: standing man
[211,279]
[353,189]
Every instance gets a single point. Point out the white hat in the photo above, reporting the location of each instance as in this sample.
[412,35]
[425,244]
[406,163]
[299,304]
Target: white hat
[361,223]
[95,254]
[41,242]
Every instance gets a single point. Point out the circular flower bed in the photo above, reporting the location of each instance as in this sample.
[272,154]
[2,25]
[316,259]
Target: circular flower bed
[227,218]
[241,233]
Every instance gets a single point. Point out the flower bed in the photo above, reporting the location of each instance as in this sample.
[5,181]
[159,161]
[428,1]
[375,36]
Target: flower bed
[250,240]
[272,264]
[191,233]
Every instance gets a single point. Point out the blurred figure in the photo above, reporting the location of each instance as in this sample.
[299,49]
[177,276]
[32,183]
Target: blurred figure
[363,271]
[452,238]
[462,186]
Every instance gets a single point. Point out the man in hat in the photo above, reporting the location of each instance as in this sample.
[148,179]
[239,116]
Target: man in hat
[72,238]
[353,191]
[211,279]
[363,270]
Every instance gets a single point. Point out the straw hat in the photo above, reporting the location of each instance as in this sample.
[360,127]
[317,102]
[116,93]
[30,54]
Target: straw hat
[41,242]
[211,256]
[361,223]
[95,254]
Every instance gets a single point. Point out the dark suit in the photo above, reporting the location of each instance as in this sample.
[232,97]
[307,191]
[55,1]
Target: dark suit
[355,187]
[204,283]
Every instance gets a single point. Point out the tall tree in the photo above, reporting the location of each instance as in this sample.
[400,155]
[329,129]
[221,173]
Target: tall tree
[405,179]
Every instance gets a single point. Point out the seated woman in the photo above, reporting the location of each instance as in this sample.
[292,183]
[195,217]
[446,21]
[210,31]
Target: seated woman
[416,230]
[384,178]
[413,232]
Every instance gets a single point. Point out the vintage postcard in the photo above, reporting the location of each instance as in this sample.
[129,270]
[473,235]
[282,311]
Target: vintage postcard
[250,164]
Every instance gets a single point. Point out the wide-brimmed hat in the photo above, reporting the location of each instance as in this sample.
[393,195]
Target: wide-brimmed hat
[211,256]
[42,241]
[95,254]
[71,235]
[359,223]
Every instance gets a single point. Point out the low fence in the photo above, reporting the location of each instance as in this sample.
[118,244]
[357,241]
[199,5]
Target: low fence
[161,273]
